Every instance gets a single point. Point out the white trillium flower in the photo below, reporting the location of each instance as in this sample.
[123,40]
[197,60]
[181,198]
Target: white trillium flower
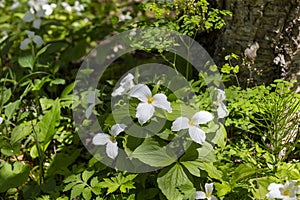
[126,84]
[37,4]
[209,187]
[222,110]
[288,191]
[66,6]
[78,7]
[48,8]
[110,140]
[31,38]
[195,132]
[1,120]
[35,18]
[146,108]
[15,4]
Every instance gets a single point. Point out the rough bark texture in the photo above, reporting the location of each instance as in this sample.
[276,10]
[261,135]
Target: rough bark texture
[274,25]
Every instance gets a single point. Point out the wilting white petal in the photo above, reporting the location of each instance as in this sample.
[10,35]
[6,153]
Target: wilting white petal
[29,33]
[222,110]
[144,112]
[126,84]
[197,134]
[209,187]
[127,79]
[180,123]
[1,120]
[101,139]
[112,149]
[117,128]
[119,91]
[141,91]
[89,110]
[160,101]
[221,94]
[202,117]
[38,40]
[28,17]
[37,23]
[24,44]
[274,191]
[200,195]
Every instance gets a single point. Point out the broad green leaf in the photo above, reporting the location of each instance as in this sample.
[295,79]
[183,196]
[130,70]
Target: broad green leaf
[5,96]
[222,188]
[26,60]
[20,132]
[263,184]
[87,193]
[11,108]
[112,186]
[220,137]
[212,171]
[152,154]
[86,175]
[77,190]
[68,89]
[206,153]
[193,167]
[11,177]
[243,171]
[170,179]
[180,109]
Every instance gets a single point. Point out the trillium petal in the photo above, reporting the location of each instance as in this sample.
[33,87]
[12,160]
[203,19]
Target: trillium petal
[1,120]
[141,91]
[112,149]
[144,112]
[28,17]
[117,128]
[200,195]
[202,117]
[160,101]
[127,79]
[197,134]
[180,123]
[213,197]
[209,187]
[40,13]
[37,23]
[222,110]
[24,44]
[29,33]
[274,191]
[38,40]
[221,94]
[119,91]
[101,139]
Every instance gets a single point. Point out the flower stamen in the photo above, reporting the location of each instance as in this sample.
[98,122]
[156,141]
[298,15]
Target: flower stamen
[150,100]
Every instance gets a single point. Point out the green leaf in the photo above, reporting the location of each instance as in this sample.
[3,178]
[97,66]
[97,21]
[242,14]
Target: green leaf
[20,132]
[169,179]
[86,175]
[206,153]
[193,167]
[212,171]
[11,108]
[67,90]
[111,185]
[77,190]
[180,109]
[222,188]
[152,154]
[87,193]
[5,96]
[11,177]
[243,171]
[220,137]
[26,60]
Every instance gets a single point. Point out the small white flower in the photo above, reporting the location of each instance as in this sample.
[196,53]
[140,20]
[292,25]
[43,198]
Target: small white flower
[126,84]
[78,7]
[15,4]
[1,120]
[123,17]
[48,8]
[37,4]
[35,18]
[222,110]
[66,6]
[110,140]
[209,187]
[31,38]
[288,191]
[195,132]
[146,108]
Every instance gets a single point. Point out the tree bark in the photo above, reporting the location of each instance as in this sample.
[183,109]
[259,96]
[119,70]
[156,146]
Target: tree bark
[274,25]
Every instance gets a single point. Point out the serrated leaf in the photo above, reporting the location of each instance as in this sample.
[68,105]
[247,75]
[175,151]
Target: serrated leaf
[87,194]
[86,175]
[77,190]
[206,153]
[20,132]
[212,171]
[193,167]
[11,108]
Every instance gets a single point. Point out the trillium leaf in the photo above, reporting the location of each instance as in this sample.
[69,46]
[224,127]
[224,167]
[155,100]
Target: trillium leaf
[171,179]
[149,152]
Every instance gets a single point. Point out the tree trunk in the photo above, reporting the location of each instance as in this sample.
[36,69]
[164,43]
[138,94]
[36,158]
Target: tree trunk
[272,24]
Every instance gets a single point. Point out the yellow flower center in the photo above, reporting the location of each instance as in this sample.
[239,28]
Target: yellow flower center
[208,195]
[286,192]
[192,123]
[150,100]
[112,138]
